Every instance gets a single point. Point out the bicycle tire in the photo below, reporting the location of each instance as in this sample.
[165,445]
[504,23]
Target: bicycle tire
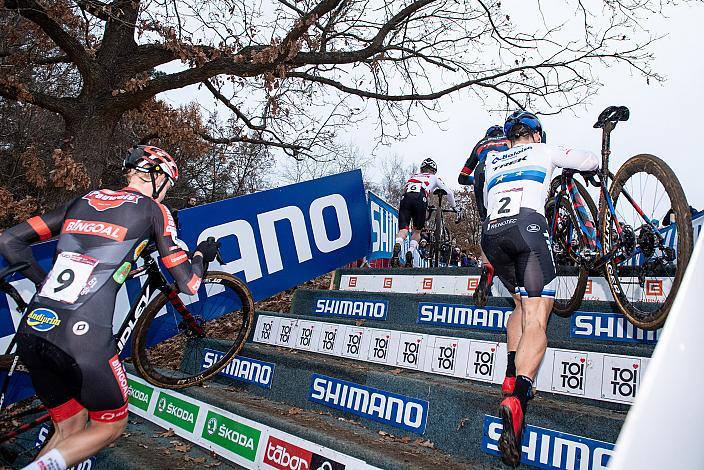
[646,163]
[149,371]
[565,307]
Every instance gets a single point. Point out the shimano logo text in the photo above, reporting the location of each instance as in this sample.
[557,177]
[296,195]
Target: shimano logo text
[375,310]
[463,315]
[378,405]
[242,368]
[609,326]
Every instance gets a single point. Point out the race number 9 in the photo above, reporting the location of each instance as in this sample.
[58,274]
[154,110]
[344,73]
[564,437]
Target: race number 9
[65,279]
[68,276]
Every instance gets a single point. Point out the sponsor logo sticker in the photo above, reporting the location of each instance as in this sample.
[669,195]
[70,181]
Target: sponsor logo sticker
[569,372]
[378,405]
[286,456]
[286,327]
[533,228]
[467,316]
[176,411]
[331,307]
[231,435]
[388,282]
[482,360]
[379,346]
[545,448]
[243,369]
[92,227]
[138,251]
[140,395]
[328,338]
[43,319]
[352,281]
[427,283]
[410,349]
[444,356]
[304,336]
[621,378]
[80,328]
[105,199]
[653,287]
[352,346]
[265,332]
[472,283]
[122,272]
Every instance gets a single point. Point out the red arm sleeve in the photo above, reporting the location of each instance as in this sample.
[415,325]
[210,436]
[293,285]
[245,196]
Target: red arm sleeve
[187,273]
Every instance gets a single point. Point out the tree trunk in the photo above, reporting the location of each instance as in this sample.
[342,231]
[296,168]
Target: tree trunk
[89,140]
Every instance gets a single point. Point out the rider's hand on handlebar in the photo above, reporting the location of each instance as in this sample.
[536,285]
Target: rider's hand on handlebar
[208,249]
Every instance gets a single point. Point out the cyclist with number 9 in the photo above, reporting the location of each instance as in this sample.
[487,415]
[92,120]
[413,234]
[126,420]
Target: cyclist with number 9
[515,240]
[65,338]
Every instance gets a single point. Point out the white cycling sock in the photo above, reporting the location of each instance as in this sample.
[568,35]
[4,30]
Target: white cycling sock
[414,245]
[52,460]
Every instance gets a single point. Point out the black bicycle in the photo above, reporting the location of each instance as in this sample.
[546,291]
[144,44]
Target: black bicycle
[624,239]
[440,240]
[171,331]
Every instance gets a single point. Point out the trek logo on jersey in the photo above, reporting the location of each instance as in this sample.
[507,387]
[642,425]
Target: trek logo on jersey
[43,319]
[104,199]
[372,309]
[545,448]
[609,326]
[493,319]
[241,368]
[283,455]
[91,227]
[390,408]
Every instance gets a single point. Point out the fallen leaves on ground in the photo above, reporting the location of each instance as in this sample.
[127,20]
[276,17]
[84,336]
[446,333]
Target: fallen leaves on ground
[425,443]
[294,411]
[461,424]
[360,322]
[395,371]
[194,460]
[182,447]
[168,433]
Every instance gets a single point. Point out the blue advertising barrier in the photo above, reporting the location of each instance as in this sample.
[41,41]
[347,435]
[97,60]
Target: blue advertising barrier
[384,220]
[273,239]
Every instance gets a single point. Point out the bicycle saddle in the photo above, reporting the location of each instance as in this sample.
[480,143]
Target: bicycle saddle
[6,271]
[612,114]
[440,192]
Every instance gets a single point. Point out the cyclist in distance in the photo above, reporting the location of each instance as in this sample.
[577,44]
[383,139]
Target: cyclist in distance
[414,205]
[65,338]
[515,240]
[494,140]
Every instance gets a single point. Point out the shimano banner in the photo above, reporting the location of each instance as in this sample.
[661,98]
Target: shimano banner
[384,227]
[273,240]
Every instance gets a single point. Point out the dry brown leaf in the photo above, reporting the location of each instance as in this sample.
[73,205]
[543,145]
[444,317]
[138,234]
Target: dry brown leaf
[194,460]
[168,433]
[213,464]
[425,443]
[182,448]
[294,411]
[383,433]
[395,371]
[360,322]
[461,424]
[405,439]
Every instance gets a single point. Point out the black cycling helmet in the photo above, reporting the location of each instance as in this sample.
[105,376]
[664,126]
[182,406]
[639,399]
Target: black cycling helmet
[153,161]
[526,119]
[429,163]
[494,131]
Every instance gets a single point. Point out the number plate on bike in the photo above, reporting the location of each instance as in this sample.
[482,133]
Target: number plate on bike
[68,277]
[508,203]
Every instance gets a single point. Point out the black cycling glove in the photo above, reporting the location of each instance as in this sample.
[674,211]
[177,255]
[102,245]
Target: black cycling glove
[209,249]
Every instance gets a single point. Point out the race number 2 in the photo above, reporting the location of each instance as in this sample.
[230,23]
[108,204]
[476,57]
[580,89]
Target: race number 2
[508,203]
[68,277]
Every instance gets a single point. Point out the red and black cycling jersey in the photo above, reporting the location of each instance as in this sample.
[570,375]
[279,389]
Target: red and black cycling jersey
[99,235]
[479,153]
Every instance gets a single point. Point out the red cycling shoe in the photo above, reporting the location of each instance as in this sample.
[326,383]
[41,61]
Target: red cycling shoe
[511,415]
[508,386]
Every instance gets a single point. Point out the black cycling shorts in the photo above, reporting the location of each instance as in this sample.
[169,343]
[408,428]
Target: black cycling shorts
[412,209]
[479,189]
[66,385]
[518,249]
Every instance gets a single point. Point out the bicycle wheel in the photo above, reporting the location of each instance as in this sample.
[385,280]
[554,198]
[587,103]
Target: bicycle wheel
[568,245]
[646,273]
[169,355]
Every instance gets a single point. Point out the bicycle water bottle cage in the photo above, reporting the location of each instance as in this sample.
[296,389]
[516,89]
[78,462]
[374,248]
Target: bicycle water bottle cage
[612,114]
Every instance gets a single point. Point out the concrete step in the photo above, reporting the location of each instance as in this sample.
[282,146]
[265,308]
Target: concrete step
[566,370]
[454,414]
[282,436]
[595,326]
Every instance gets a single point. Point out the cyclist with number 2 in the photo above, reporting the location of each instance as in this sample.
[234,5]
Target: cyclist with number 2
[494,140]
[65,338]
[515,240]
[414,205]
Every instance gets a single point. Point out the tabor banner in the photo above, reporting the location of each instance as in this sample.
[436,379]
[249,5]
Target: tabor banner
[273,239]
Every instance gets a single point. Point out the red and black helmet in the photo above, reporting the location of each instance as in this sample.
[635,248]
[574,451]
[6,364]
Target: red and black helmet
[150,159]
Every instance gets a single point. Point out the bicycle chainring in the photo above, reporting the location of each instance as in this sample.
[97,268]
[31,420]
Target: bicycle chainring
[628,240]
[647,240]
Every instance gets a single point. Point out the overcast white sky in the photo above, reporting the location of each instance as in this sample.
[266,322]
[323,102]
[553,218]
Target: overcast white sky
[664,117]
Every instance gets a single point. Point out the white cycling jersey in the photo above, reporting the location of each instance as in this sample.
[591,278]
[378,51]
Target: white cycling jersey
[427,183]
[520,177]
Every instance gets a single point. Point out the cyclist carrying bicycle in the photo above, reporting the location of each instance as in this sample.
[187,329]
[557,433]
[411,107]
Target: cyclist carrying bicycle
[494,140]
[414,205]
[65,338]
[515,240]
